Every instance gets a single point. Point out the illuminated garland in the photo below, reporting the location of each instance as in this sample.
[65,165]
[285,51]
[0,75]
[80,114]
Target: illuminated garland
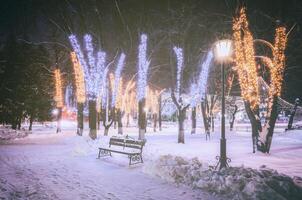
[120,95]
[179,55]
[129,100]
[104,91]
[245,59]
[118,71]
[94,68]
[58,89]
[278,61]
[79,78]
[203,76]
[143,66]
[193,95]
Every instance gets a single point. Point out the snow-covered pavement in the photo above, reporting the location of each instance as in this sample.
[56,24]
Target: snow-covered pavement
[46,165]
[63,167]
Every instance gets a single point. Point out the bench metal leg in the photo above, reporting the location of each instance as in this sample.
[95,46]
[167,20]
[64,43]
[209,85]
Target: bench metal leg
[135,159]
[99,154]
[104,153]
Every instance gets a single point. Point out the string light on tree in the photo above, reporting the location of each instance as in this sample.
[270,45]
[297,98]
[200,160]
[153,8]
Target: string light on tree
[278,61]
[193,95]
[79,78]
[58,89]
[118,71]
[143,66]
[120,95]
[93,69]
[203,75]
[179,55]
[245,59]
[104,92]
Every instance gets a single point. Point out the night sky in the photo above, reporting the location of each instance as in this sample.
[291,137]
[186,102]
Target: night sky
[116,26]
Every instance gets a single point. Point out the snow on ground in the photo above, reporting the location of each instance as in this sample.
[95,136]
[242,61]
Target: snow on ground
[46,165]
[10,134]
[64,166]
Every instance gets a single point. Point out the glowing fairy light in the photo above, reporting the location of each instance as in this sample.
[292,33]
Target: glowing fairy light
[79,78]
[245,59]
[143,66]
[129,97]
[117,75]
[203,75]
[94,68]
[58,89]
[278,61]
[101,60]
[193,95]
[104,92]
[120,96]
[179,55]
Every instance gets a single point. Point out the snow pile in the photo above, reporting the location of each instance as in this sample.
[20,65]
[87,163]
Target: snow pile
[10,134]
[230,183]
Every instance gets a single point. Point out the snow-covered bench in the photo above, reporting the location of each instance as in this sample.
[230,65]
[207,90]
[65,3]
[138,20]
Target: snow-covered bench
[132,148]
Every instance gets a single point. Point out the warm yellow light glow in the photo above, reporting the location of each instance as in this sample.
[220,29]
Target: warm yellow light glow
[79,78]
[245,59]
[120,96]
[278,61]
[58,89]
[129,98]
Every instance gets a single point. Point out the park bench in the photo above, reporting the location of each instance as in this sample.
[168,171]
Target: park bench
[131,147]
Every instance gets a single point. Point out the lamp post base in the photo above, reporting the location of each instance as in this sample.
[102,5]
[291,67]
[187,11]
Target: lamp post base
[223,160]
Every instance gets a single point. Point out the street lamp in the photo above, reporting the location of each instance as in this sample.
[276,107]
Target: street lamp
[222,53]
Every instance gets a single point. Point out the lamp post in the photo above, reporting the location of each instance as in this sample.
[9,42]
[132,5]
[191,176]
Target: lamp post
[222,52]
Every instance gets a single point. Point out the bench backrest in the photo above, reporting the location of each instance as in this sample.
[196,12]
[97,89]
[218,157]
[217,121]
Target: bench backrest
[129,143]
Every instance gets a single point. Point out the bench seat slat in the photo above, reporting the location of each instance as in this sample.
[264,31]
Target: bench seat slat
[119,151]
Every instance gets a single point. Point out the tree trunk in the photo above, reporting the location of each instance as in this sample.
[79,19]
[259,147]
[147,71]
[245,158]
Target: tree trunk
[154,121]
[193,120]
[30,123]
[107,120]
[181,131]
[205,118]
[92,119]
[119,122]
[98,114]
[292,115]
[256,126]
[141,119]
[115,119]
[127,119]
[159,112]
[233,117]
[271,124]
[106,130]
[19,123]
[59,118]
[80,118]
[212,122]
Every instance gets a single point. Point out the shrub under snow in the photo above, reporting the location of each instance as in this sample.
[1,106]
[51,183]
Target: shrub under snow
[10,134]
[231,183]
